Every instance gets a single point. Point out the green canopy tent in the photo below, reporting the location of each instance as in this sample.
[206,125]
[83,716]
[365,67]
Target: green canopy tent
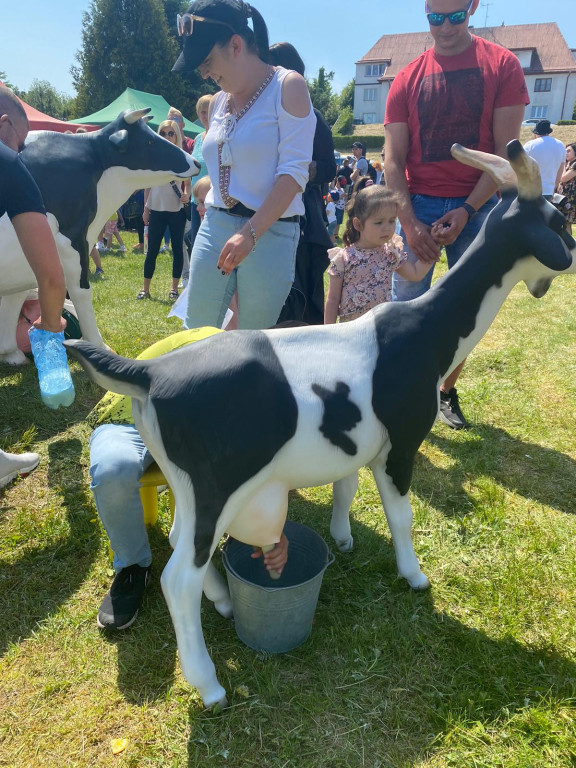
[132,99]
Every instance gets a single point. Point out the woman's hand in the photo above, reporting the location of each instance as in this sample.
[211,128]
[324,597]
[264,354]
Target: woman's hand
[235,250]
[146,216]
[276,558]
[185,197]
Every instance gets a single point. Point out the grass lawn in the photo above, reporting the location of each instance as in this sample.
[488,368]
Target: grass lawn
[480,671]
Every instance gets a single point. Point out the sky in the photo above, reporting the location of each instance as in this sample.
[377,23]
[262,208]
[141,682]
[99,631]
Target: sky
[41,42]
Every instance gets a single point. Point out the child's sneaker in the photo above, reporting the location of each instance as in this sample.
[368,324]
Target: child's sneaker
[123,249]
[99,271]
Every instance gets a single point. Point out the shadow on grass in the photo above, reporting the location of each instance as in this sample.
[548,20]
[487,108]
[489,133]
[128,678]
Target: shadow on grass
[38,583]
[147,650]
[541,474]
[385,672]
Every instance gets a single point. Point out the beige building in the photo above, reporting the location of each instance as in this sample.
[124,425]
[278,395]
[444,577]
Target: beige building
[549,67]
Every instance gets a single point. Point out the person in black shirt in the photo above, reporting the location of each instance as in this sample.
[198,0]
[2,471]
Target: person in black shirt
[20,198]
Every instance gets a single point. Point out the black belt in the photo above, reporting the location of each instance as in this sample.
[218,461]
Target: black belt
[246,213]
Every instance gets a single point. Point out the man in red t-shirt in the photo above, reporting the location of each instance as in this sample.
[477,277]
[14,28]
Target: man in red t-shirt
[467,90]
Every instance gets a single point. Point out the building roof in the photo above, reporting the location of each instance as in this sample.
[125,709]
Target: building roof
[551,52]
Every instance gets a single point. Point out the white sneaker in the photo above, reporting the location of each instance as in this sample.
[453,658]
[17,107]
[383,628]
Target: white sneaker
[163,249]
[123,249]
[12,465]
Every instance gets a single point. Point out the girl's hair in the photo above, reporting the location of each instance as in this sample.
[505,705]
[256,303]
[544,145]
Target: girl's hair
[573,145]
[201,187]
[366,201]
[256,39]
[285,55]
[202,102]
[173,127]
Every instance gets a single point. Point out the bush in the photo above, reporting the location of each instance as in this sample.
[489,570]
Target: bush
[566,122]
[370,142]
[345,122]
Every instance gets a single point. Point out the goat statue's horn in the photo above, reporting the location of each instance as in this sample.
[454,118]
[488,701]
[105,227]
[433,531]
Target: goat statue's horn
[134,115]
[499,169]
[527,171]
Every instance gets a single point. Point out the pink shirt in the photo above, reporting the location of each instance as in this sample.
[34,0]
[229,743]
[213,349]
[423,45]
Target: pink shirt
[367,275]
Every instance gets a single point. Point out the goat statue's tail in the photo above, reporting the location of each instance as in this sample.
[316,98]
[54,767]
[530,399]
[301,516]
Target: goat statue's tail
[110,371]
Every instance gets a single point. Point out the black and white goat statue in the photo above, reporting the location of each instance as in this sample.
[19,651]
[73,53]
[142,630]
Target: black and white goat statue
[239,419]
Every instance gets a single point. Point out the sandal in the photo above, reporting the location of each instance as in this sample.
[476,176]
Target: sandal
[173,295]
[143,295]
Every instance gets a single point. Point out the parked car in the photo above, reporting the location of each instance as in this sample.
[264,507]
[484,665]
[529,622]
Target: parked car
[532,121]
[337,158]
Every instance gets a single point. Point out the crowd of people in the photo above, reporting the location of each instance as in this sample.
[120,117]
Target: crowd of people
[268,206]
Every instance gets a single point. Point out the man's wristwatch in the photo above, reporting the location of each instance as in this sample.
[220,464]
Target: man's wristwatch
[469,210]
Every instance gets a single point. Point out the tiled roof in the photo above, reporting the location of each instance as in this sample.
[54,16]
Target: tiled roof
[552,53]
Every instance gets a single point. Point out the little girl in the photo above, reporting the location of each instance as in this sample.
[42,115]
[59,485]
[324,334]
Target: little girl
[361,273]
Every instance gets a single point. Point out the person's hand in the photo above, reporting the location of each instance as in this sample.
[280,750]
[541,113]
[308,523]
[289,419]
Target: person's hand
[53,329]
[276,559]
[448,227]
[185,197]
[422,243]
[235,251]
[146,216]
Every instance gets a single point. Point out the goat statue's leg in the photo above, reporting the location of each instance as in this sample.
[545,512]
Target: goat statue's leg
[343,492]
[399,515]
[216,590]
[182,583]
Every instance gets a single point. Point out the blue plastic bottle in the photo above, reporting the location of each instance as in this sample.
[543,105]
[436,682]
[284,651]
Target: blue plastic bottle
[56,387]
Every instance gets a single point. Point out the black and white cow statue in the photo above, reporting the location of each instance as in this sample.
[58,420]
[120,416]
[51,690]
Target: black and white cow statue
[239,419]
[83,179]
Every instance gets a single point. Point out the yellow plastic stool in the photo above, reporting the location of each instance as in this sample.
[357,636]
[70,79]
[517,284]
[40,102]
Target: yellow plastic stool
[150,480]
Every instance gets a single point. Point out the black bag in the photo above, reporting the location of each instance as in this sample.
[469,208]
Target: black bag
[371,170]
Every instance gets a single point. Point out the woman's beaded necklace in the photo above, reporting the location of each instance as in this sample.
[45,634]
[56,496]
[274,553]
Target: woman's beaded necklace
[224,135]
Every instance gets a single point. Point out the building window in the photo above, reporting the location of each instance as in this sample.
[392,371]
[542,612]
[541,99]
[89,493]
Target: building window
[375,70]
[543,84]
[369,118]
[369,94]
[539,112]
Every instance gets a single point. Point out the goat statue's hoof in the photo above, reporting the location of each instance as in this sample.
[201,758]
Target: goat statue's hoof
[224,608]
[418,581]
[217,706]
[345,545]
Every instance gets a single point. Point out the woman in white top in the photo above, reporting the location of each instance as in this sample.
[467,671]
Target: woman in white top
[163,207]
[258,150]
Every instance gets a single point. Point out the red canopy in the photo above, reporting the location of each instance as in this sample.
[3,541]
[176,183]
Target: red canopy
[41,122]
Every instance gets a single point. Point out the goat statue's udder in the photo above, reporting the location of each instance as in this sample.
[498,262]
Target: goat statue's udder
[261,520]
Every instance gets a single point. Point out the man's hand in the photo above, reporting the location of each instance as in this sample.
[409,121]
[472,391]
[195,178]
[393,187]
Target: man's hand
[421,242]
[446,229]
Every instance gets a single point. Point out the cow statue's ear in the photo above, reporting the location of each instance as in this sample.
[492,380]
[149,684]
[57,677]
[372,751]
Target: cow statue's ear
[120,140]
[148,118]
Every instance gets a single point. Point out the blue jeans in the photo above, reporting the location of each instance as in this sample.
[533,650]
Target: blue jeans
[118,457]
[263,279]
[429,209]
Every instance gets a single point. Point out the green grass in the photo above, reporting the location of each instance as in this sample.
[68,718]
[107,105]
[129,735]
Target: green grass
[479,671]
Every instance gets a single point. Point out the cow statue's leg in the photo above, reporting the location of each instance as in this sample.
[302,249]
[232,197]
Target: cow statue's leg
[82,300]
[10,307]
[343,493]
[399,515]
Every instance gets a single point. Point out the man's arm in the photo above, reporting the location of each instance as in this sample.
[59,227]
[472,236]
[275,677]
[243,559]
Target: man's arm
[38,244]
[559,175]
[506,127]
[418,234]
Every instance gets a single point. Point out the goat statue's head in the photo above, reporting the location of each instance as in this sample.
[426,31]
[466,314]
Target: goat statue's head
[530,222]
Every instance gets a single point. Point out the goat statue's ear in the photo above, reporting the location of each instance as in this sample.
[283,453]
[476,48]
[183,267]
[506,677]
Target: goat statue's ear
[120,140]
[549,248]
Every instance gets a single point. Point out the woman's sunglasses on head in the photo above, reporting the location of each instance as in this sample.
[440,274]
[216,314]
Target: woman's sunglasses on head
[185,23]
[170,134]
[458,17]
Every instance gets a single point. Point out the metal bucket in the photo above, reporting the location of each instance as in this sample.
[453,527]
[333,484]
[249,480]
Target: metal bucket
[276,616]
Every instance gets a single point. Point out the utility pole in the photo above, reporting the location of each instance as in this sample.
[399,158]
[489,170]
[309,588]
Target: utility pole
[486,5]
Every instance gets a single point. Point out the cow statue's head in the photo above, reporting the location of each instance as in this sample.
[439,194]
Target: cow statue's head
[134,145]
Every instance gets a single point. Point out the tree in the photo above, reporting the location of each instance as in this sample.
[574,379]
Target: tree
[8,84]
[346,98]
[43,96]
[322,96]
[127,44]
